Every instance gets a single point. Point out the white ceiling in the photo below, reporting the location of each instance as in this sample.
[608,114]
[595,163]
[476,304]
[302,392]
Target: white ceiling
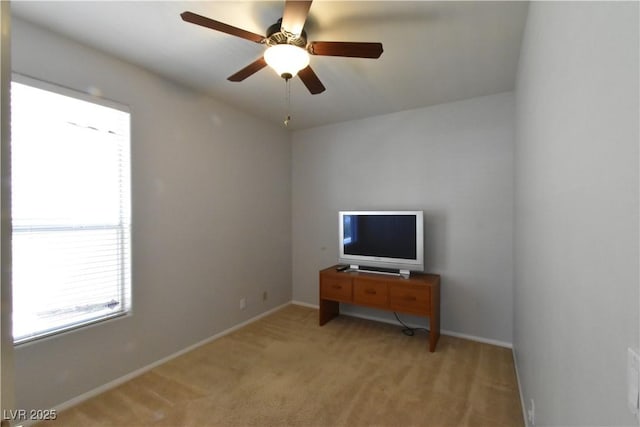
[434,52]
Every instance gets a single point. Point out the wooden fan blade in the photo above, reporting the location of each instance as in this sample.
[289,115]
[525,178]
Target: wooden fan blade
[350,49]
[250,69]
[203,21]
[311,80]
[294,16]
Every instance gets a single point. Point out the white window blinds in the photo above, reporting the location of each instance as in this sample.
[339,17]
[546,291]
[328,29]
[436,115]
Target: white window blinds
[71,211]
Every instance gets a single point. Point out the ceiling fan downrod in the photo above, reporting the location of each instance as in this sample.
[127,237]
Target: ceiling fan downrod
[287,83]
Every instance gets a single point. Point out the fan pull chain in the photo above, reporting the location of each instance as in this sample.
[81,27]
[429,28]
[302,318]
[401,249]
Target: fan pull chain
[287,89]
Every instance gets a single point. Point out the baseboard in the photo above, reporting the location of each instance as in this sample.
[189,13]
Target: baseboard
[393,322]
[478,339]
[304,304]
[524,406]
[442,331]
[118,381]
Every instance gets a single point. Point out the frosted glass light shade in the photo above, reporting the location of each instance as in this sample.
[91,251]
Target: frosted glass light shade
[286,59]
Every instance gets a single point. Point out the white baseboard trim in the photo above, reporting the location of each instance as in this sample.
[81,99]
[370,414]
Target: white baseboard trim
[118,381]
[524,407]
[442,331]
[305,304]
[393,322]
[478,339]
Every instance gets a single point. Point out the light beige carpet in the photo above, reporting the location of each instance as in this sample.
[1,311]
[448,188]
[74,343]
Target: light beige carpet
[285,370]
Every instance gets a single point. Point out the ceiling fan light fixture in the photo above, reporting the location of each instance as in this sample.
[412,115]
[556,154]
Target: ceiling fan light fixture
[286,59]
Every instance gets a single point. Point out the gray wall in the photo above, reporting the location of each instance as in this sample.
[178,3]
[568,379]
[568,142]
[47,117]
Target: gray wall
[453,161]
[211,221]
[576,293]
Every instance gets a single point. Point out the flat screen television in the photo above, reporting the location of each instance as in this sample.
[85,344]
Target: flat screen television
[391,240]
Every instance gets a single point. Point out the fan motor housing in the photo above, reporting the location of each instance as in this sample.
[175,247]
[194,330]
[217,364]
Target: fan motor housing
[275,36]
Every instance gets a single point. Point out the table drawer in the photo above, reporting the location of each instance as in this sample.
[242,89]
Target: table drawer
[336,289]
[368,292]
[410,299]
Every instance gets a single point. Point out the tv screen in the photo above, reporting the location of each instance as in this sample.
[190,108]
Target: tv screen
[390,236]
[384,239]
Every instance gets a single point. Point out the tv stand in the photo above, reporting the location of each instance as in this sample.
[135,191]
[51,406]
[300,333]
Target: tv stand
[417,295]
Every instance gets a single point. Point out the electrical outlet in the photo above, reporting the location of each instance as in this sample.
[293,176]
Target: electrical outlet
[531,413]
[633,381]
[243,303]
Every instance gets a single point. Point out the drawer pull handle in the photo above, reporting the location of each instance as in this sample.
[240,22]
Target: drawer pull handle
[410,298]
[337,286]
[370,291]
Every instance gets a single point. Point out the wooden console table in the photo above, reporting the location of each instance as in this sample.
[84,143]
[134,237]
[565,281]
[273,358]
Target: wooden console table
[417,295]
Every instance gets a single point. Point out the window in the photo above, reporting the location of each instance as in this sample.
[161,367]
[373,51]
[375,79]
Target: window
[71,209]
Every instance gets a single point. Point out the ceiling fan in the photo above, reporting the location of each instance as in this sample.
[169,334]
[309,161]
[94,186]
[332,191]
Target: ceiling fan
[287,47]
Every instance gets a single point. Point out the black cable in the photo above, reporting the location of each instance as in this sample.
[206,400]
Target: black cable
[408,330]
